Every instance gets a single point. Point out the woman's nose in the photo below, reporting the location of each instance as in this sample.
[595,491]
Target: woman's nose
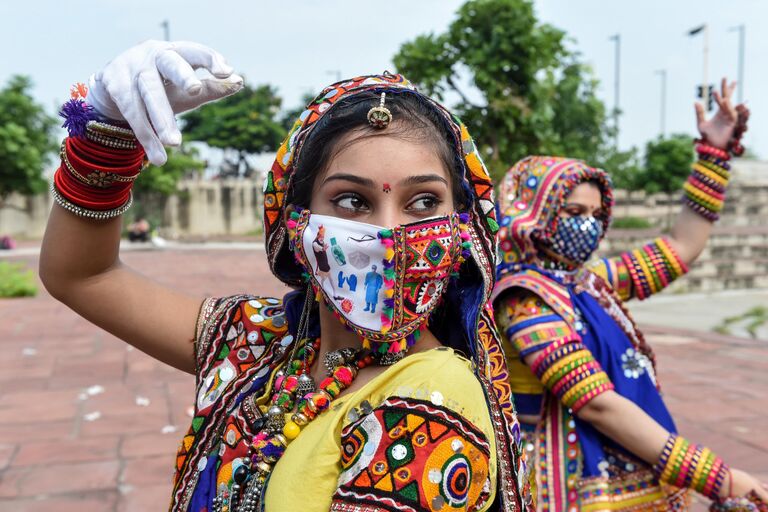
[388,214]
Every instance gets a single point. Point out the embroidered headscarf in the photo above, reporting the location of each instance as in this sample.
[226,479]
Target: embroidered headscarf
[474,318]
[532,194]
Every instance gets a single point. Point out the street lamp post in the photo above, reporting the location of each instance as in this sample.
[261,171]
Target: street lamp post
[166,29]
[704,30]
[616,38]
[741,29]
[663,119]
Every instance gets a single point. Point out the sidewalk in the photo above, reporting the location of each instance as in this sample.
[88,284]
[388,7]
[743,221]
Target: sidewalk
[87,423]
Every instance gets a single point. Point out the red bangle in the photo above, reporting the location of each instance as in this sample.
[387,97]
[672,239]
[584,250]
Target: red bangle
[93,151]
[90,197]
[705,188]
[86,163]
[706,149]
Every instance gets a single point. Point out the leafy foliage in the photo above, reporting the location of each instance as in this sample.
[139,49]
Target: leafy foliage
[182,162]
[667,164]
[527,93]
[246,122]
[16,281]
[27,138]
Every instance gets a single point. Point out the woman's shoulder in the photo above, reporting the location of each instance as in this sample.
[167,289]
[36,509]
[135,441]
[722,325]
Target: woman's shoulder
[444,377]
[225,323]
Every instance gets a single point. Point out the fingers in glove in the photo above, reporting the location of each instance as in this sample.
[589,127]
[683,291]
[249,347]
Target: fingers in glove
[161,115]
[201,56]
[175,69]
[213,89]
[135,114]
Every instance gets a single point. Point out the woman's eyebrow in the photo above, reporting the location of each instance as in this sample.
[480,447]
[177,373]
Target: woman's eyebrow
[419,179]
[353,178]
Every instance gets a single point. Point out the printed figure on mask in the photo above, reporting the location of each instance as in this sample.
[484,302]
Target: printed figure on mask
[319,247]
[373,283]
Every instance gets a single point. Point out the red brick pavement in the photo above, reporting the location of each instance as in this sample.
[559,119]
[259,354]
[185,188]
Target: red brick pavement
[87,423]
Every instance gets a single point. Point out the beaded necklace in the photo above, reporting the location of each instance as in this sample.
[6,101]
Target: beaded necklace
[294,391]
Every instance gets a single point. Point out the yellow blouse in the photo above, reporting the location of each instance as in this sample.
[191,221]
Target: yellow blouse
[419,431]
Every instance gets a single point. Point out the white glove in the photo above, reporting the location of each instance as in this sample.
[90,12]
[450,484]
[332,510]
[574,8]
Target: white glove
[151,82]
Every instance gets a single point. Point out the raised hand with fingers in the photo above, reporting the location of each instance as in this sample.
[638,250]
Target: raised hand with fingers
[147,85]
[729,122]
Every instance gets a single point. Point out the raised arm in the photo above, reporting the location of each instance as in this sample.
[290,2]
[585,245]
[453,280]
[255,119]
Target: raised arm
[569,370]
[705,189]
[79,263]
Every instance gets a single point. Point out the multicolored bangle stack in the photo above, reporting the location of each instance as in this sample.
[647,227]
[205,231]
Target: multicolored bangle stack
[568,369]
[99,163]
[706,185]
[653,267]
[687,465]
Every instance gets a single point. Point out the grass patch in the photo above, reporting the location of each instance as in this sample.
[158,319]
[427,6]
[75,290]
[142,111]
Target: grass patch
[752,320]
[631,223]
[16,281]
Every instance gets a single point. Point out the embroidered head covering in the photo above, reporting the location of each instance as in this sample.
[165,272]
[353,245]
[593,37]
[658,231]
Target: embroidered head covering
[532,194]
[279,179]
[473,317]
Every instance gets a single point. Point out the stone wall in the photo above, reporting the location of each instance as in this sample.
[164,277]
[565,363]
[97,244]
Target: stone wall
[200,208]
[736,255]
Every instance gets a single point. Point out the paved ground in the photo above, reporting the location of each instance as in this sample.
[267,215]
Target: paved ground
[86,423]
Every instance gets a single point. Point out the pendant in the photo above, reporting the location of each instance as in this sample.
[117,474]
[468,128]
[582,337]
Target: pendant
[336,358]
[275,419]
[306,385]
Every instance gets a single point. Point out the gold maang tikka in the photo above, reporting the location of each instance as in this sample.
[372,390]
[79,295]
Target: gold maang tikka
[380,117]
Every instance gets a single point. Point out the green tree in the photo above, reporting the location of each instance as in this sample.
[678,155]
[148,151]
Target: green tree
[152,188]
[182,162]
[246,122]
[27,139]
[667,164]
[520,90]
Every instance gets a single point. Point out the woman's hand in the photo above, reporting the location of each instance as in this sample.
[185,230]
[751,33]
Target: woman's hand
[151,82]
[718,130]
[742,484]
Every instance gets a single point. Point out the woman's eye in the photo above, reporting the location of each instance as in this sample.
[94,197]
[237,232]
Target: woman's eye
[425,203]
[351,202]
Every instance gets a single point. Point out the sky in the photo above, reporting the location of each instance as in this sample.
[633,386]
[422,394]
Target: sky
[301,45]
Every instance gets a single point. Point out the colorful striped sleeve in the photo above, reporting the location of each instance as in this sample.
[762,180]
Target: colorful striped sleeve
[530,324]
[570,372]
[642,272]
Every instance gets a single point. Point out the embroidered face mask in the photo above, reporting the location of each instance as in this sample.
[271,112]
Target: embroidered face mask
[576,238]
[382,283]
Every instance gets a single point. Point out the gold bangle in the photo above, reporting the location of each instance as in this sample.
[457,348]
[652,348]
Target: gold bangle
[98,179]
[111,130]
[112,142]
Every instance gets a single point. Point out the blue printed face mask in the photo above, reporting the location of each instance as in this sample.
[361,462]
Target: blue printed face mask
[576,238]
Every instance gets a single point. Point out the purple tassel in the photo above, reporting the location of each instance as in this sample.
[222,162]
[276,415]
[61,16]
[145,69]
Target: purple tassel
[389,303]
[464,217]
[76,114]
[272,451]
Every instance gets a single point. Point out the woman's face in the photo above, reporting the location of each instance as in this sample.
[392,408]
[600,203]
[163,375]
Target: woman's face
[584,200]
[385,181]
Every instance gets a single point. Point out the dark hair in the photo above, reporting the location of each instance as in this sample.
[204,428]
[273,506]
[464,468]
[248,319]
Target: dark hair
[414,119]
